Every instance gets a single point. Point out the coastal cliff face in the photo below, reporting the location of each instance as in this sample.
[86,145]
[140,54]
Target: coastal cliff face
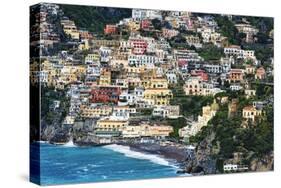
[55,133]
[201,162]
[81,133]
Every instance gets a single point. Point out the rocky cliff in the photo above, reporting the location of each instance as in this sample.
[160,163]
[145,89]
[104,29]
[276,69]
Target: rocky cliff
[81,132]
[200,161]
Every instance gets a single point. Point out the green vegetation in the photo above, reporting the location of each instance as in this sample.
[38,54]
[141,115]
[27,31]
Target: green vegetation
[156,24]
[228,29]
[145,33]
[263,91]
[94,19]
[262,52]
[264,24]
[189,105]
[48,95]
[179,41]
[230,136]
[146,111]
[211,52]
[176,124]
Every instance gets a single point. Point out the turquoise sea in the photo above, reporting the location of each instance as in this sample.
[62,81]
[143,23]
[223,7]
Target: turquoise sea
[66,164]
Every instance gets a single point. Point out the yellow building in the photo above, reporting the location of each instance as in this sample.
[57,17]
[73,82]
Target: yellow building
[92,58]
[54,73]
[153,82]
[111,124]
[134,82]
[158,83]
[70,29]
[251,113]
[95,111]
[156,90]
[105,78]
[34,68]
[71,74]
[67,75]
[147,74]
[250,92]
[45,72]
[85,45]
[134,26]
[159,96]
[133,70]
[146,130]
[250,69]
[80,70]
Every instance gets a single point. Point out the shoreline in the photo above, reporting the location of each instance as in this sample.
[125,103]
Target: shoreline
[168,152]
[171,153]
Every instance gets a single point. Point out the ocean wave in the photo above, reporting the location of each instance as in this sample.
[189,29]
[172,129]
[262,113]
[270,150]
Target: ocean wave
[138,155]
[185,175]
[70,143]
[43,142]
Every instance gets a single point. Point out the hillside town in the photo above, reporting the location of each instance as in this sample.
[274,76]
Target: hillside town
[173,78]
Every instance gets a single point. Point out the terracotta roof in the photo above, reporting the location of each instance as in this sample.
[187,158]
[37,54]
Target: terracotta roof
[249,108]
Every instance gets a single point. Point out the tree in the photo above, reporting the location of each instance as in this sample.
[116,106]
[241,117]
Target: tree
[211,52]
[156,24]
[177,124]
[228,29]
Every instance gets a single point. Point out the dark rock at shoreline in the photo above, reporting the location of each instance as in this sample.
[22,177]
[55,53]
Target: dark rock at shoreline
[61,138]
[201,162]
[88,144]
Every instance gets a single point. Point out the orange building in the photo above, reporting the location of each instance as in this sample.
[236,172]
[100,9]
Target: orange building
[110,29]
[236,75]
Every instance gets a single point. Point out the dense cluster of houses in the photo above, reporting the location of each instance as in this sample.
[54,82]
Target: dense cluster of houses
[118,80]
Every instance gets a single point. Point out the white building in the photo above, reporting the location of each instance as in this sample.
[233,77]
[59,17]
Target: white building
[235,87]
[141,14]
[93,71]
[171,77]
[123,83]
[239,53]
[193,86]
[122,112]
[187,55]
[127,98]
[169,111]
[215,69]
[208,112]
[105,54]
[139,92]
[142,60]
[226,64]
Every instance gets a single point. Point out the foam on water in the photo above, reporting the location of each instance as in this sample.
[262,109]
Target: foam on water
[138,155]
[43,142]
[69,144]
